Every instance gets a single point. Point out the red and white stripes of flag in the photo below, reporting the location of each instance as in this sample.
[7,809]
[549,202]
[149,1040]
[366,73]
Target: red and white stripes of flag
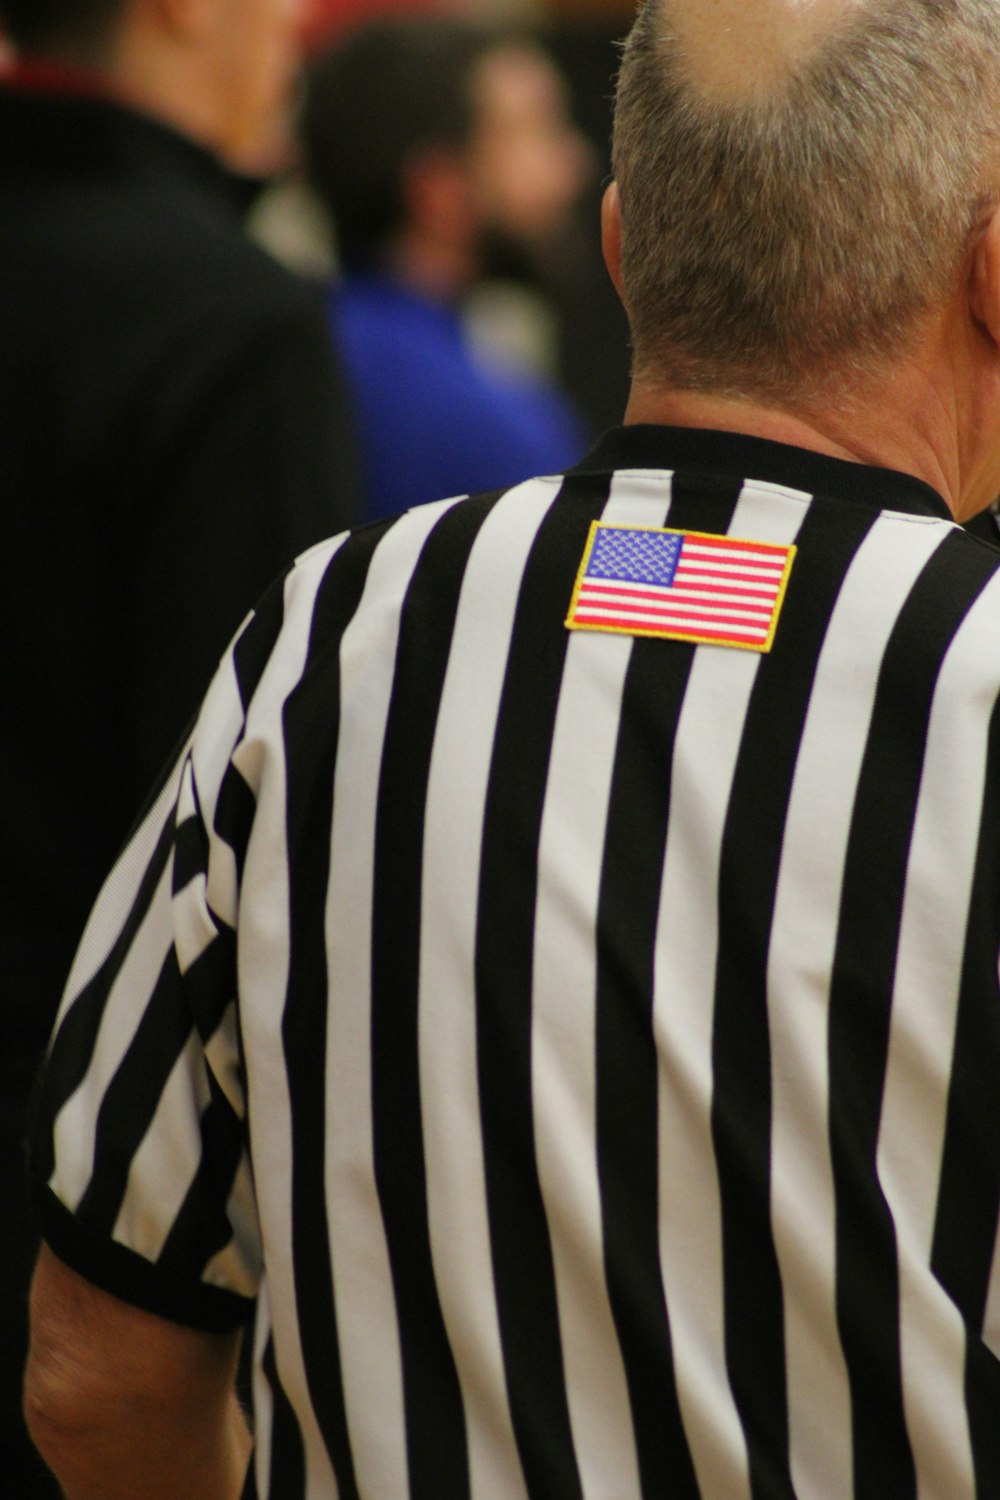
[682,585]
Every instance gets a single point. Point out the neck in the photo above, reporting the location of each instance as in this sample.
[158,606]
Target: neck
[907,428]
[703,409]
[138,89]
[161,82]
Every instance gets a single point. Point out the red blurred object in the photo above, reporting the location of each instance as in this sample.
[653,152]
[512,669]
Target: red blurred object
[324,18]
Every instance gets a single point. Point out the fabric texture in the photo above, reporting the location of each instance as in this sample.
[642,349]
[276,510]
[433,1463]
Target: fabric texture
[600,1032]
[172,433]
[433,418]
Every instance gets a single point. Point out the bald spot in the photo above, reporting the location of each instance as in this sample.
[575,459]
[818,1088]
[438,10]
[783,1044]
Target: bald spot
[743,49]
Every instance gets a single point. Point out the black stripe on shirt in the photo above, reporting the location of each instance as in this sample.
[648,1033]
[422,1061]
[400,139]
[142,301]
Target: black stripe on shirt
[878,847]
[968,1207]
[190,854]
[627,1061]
[436,1440]
[253,647]
[741,1050]
[965,1229]
[210,982]
[522,1254]
[73,1045]
[982,1396]
[131,1099]
[311,725]
[287,1479]
[235,810]
[202,1228]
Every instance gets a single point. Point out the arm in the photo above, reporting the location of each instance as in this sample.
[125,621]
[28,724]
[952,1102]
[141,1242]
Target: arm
[122,1403]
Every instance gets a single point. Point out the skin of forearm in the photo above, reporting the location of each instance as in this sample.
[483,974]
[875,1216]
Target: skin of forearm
[121,1403]
[139,1450]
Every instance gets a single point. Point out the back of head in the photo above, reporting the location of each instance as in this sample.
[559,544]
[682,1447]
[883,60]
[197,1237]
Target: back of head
[44,25]
[390,89]
[798,182]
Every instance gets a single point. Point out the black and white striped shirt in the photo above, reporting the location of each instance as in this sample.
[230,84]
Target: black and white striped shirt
[585,1046]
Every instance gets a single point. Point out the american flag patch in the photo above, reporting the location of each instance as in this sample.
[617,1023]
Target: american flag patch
[685,585]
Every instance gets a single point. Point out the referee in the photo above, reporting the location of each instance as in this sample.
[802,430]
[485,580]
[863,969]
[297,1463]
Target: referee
[559,980]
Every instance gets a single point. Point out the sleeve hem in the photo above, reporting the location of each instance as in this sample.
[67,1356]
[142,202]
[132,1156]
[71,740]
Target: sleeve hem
[129,1276]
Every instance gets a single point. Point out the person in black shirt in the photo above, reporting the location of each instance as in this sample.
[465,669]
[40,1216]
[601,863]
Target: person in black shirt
[172,432]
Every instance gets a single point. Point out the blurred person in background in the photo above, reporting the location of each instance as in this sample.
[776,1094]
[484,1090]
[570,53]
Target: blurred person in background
[593,339]
[444,154]
[583,340]
[172,432]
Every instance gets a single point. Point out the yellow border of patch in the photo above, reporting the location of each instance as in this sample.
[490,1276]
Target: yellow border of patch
[684,635]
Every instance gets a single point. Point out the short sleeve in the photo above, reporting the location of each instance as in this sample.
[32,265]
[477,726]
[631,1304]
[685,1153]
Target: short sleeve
[138,1145]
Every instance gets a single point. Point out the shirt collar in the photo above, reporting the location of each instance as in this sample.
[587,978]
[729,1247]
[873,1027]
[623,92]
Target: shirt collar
[41,75]
[744,457]
[82,96]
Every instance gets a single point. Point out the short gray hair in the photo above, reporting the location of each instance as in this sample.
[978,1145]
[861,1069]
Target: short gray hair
[780,247]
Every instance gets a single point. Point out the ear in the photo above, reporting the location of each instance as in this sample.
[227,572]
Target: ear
[984,278]
[611,236]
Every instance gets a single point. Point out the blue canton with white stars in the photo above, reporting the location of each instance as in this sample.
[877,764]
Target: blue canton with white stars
[635,556]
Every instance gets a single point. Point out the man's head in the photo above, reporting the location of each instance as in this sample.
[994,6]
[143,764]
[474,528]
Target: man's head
[799,182]
[217,69]
[440,123]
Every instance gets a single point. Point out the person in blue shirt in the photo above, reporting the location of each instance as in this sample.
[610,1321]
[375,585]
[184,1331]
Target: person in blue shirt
[442,151]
